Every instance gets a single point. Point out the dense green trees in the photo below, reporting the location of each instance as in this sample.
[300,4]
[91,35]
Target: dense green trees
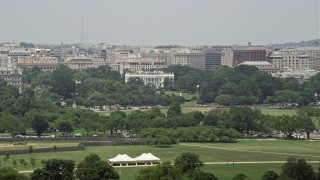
[270,175]
[164,171]
[298,169]
[39,123]
[93,168]
[245,119]
[55,169]
[8,173]
[188,162]
[186,167]
[174,109]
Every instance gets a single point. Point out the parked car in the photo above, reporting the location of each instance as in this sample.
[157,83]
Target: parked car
[94,135]
[18,136]
[126,135]
[78,135]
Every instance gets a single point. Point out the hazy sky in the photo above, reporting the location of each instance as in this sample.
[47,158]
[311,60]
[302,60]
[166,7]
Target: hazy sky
[155,22]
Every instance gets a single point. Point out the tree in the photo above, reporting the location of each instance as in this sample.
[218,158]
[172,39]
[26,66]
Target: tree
[289,124]
[298,169]
[188,162]
[65,127]
[62,82]
[174,109]
[315,84]
[270,175]
[198,174]
[162,140]
[13,124]
[245,119]
[135,81]
[8,173]
[168,84]
[164,171]
[39,123]
[308,117]
[93,168]
[224,99]
[240,177]
[286,96]
[55,169]
[116,121]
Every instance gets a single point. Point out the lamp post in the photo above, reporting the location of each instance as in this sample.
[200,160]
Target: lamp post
[198,88]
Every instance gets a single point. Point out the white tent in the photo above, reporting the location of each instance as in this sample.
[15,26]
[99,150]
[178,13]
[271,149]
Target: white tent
[147,158]
[121,159]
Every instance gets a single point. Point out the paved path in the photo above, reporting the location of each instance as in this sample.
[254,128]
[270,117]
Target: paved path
[254,162]
[253,151]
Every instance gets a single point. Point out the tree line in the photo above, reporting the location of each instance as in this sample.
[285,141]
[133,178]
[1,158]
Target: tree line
[242,85]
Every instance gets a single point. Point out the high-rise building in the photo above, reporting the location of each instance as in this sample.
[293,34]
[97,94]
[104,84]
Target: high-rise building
[227,57]
[212,58]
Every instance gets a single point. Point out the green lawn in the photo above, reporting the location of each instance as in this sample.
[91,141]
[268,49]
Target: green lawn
[186,108]
[222,171]
[279,112]
[35,145]
[248,150]
[187,96]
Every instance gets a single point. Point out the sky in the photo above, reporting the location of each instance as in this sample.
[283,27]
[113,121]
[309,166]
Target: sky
[159,22]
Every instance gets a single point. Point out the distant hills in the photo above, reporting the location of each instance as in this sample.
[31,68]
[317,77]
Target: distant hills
[314,42]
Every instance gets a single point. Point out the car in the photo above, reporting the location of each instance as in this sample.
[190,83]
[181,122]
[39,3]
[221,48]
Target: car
[94,135]
[126,135]
[78,135]
[18,136]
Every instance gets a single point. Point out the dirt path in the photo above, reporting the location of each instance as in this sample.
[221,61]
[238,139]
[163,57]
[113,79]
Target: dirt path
[253,151]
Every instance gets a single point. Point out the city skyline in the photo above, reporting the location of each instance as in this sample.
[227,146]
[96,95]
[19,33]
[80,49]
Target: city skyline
[142,22]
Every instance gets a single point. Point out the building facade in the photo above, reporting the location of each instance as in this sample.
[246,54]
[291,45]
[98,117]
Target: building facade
[10,73]
[212,58]
[248,53]
[44,63]
[263,66]
[195,60]
[290,59]
[155,78]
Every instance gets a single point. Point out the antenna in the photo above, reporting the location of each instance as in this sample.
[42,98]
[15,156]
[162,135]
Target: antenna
[82,34]
[87,35]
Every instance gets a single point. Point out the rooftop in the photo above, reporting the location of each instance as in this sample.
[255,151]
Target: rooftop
[256,63]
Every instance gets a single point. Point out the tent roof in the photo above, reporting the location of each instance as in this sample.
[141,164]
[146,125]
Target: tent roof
[146,157]
[121,158]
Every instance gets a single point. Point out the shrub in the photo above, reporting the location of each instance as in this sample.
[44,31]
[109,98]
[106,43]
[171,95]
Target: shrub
[14,162]
[22,161]
[30,149]
[32,162]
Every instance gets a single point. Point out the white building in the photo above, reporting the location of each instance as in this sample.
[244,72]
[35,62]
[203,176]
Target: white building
[136,64]
[155,78]
[290,59]
[10,73]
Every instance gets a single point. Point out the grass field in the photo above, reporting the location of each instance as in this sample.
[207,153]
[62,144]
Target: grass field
[186,109]
[35,145]
[222,171]
[243,151]
[187,96]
